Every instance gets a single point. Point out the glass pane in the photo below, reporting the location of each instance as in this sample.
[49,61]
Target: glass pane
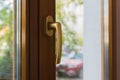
[9,40]
[70,13]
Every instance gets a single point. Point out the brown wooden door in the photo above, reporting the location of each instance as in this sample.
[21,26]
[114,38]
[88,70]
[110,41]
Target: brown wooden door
[39,60]
[47,64]
[115,33]
[30,37]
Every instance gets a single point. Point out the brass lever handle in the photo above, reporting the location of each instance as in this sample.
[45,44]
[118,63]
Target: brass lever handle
[50,25]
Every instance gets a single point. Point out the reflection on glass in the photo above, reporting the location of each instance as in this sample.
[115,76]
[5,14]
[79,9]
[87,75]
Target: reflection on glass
[70,14]
[7,40]
[106,40]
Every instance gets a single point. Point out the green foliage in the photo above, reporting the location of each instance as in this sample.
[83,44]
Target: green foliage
[71,38]
[6,67]
[6,35]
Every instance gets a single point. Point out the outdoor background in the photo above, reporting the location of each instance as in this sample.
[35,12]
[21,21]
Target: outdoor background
[70,14]
[6,39]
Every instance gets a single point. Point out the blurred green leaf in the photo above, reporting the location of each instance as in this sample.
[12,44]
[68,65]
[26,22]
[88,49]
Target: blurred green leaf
[70,38]
[6,33]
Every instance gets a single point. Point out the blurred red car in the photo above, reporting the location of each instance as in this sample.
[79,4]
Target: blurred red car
[69,67]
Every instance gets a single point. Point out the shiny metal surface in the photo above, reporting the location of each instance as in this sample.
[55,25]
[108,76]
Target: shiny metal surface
[50,26]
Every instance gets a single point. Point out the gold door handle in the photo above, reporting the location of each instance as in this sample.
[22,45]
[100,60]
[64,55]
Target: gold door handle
[50,25]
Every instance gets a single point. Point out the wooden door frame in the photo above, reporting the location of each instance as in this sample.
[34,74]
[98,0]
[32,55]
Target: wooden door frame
[114,39]
[29,40]
[47,64]
[111,69]
[24,40]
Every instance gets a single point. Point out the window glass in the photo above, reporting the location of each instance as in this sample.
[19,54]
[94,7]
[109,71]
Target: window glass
[9,40]
[71,14]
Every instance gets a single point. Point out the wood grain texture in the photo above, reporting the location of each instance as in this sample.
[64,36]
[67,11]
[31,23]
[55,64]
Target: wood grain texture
[114,32]
[46,44]
[33,32]
[114,41]
[110,42]
[24,61]
[118,39]
[29,39]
